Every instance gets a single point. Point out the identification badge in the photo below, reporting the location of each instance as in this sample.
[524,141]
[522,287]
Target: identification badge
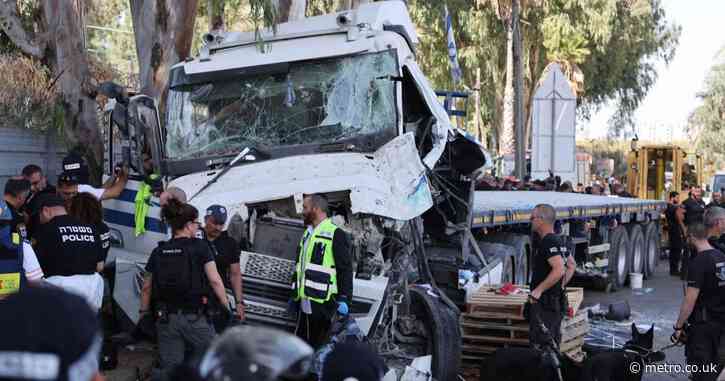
[9,283]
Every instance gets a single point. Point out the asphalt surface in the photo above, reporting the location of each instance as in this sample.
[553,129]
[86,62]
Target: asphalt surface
[658,303]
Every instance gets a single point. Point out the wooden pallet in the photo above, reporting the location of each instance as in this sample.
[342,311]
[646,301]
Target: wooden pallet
[482,336]
[486,303]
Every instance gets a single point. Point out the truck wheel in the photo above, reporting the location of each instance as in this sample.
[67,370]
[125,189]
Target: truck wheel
[637,248]
[443,333]
[652,249]
[619,256]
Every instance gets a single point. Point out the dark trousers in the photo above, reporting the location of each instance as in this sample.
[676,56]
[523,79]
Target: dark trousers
[314,328]
[675,256]
[550,315]
[180,334]
[702,350]
[687,254]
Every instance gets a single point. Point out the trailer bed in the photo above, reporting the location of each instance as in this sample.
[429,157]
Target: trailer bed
[493,208]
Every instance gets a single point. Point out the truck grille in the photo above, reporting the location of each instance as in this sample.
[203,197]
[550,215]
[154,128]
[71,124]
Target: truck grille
[268,268]
[267,281]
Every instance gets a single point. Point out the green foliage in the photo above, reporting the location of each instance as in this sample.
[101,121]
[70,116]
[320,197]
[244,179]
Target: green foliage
[110,40]
[615,44]
[707,122]
[623,69]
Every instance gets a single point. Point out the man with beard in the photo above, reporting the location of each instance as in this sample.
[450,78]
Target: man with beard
[322,282]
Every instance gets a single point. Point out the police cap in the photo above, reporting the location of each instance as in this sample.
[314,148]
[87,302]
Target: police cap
[218,213]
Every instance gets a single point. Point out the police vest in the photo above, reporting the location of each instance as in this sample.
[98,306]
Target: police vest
[12,275]
[316,277]
[180,281]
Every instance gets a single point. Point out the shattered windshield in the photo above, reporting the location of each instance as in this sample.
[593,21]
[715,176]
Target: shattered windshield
[314,102]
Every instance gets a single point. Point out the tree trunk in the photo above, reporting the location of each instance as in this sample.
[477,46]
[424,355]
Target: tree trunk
[163,30]
[291,10]
[216,16]
[507,144]
[350,4]
[66,55]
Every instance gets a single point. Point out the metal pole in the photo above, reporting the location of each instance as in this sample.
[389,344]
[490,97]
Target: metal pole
[477,115]
[518,96]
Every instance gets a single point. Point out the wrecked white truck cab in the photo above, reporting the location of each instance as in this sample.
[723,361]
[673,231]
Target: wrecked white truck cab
[335,105]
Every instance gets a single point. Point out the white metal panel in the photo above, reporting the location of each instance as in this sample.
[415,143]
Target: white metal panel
[554,128]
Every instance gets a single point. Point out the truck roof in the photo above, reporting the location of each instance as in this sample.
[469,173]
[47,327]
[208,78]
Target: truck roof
[492,208]
[376,16]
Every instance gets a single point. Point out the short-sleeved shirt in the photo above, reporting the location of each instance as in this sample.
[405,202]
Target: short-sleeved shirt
[226,253]
[706,272]
[96,192]
[198,249]
[65,246]
[550,246]
[31,266]
[675,230]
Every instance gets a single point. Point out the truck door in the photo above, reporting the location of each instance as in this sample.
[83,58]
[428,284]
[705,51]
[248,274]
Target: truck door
[134,139]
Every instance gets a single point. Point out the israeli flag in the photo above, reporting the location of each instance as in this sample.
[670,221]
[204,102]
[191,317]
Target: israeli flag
[452,51]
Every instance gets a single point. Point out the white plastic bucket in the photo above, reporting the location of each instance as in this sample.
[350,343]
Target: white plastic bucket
[635,280]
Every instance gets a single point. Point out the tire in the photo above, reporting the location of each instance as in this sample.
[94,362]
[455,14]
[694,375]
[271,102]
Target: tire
[652,249]
[637,248]
[443,331]
[619,256]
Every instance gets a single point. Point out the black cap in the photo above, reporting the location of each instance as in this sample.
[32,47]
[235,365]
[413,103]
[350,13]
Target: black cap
[46,200]
[63,345]
[353,361]
[74,165]
[254,353]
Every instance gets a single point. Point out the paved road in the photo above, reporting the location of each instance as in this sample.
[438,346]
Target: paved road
[659,306]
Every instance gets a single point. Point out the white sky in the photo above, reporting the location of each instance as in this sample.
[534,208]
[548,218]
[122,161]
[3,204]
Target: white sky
[664,112]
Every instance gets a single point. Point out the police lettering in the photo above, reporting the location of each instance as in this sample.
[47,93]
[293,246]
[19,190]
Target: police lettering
[82,234]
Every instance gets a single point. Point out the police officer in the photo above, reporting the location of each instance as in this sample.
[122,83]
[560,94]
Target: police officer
[703,307]
[17,191]
[675,214]
[547,300]
[179,275]
[226,253]
[18,263]
[65,246]
[322,283]
[38,185]
[694,211]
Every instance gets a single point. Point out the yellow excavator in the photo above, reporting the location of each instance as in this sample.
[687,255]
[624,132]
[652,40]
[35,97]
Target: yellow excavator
[649,169]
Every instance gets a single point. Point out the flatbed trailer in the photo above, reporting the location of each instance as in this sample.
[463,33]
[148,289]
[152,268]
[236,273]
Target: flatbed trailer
[610,236]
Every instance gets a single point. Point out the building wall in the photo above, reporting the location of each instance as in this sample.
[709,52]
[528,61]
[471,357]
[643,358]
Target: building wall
[20,147]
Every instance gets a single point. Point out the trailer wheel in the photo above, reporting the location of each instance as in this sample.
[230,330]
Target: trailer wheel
[637,247]
[652,249]
[443,332]
[619,257]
